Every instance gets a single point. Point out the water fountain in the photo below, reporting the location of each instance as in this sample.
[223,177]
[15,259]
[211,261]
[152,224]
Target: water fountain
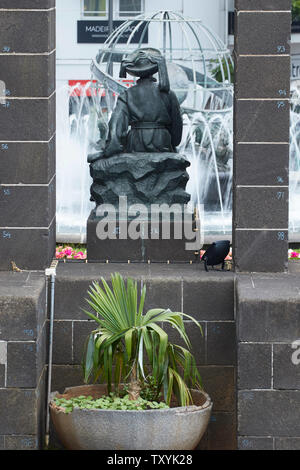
[294,228]
[200,67]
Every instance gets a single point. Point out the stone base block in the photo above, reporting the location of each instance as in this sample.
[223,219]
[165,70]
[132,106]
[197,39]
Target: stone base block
[157,242]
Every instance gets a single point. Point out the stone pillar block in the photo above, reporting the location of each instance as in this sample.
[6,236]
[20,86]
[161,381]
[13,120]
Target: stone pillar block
[27,134]
[261,135]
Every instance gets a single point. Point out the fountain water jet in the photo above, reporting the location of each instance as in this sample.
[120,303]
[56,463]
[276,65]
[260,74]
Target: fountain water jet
[192,52]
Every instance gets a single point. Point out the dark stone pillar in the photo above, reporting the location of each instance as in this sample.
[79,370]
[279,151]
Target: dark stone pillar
[261,135]
[23,341]
[27,133]
[268,332]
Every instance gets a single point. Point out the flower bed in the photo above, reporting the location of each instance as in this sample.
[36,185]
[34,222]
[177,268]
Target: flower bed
[294,254]
[70,252]
[79,252]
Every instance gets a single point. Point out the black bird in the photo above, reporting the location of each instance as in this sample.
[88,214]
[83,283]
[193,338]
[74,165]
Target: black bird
[216,254]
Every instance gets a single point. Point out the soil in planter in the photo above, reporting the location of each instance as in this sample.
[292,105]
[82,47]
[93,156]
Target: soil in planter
[98,394]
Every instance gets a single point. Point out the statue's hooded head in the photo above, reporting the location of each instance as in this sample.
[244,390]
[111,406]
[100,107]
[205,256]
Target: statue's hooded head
[144,63]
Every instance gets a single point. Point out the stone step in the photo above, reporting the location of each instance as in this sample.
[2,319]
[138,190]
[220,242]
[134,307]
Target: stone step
[180,287]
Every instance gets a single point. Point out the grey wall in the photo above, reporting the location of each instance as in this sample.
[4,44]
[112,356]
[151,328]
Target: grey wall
[261,135]
[268,323]
[23,338]
[208,297]
[27,133]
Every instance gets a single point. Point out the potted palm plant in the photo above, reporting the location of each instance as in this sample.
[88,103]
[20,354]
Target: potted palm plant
[152,397]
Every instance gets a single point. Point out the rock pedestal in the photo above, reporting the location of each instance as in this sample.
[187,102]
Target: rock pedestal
[144,178]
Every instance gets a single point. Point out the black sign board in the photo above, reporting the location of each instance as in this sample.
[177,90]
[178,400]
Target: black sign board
[98,31]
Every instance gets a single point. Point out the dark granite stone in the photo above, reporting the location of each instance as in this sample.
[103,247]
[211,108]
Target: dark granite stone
[14,246]
[219,383]
[262,164]
[254,366]
[39,115]
[42,348]
[267,308]
[260,250]
[41,406]
[222,431]
[285,443]
[27,163]
[171,242]
[24,4]
[70,306]
[273,213]
[21,364]
[255,443]
[286,373]
[73,281]
[37,209]
[18,411]
[27,31]
[209,298]
[81,330]
[21,297]
[163,292]
[263,4]
[263,33]
[269,413]
[2,376]
[263,77]
[28,75]
[62,342]
[163,283]
[159,251]
[262,121]
[143,249]
[221,343]
[66,376]
[112,249]
[21,443]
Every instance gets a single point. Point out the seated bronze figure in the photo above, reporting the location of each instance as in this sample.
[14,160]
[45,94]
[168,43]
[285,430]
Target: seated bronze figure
[139,158]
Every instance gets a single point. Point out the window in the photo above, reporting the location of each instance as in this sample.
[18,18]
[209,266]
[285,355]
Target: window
[130,7]
[94,8]
[122,8]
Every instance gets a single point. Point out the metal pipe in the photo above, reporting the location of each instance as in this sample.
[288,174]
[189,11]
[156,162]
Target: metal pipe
[51,274]
[226,22]
[110,16]
[110,29]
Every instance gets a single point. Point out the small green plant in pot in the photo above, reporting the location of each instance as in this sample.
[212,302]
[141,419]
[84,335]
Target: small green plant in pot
[152,387]
[132,347]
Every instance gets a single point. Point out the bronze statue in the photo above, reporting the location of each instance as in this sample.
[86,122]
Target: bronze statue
[139,157]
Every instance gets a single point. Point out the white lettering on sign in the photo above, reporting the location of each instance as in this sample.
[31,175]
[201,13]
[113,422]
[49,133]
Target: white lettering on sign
[295,67]
[96,29]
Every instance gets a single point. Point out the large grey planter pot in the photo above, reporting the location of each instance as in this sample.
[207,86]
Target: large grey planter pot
[178,428]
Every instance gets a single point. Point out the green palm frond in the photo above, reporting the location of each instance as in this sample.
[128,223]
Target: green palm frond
[128,343]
